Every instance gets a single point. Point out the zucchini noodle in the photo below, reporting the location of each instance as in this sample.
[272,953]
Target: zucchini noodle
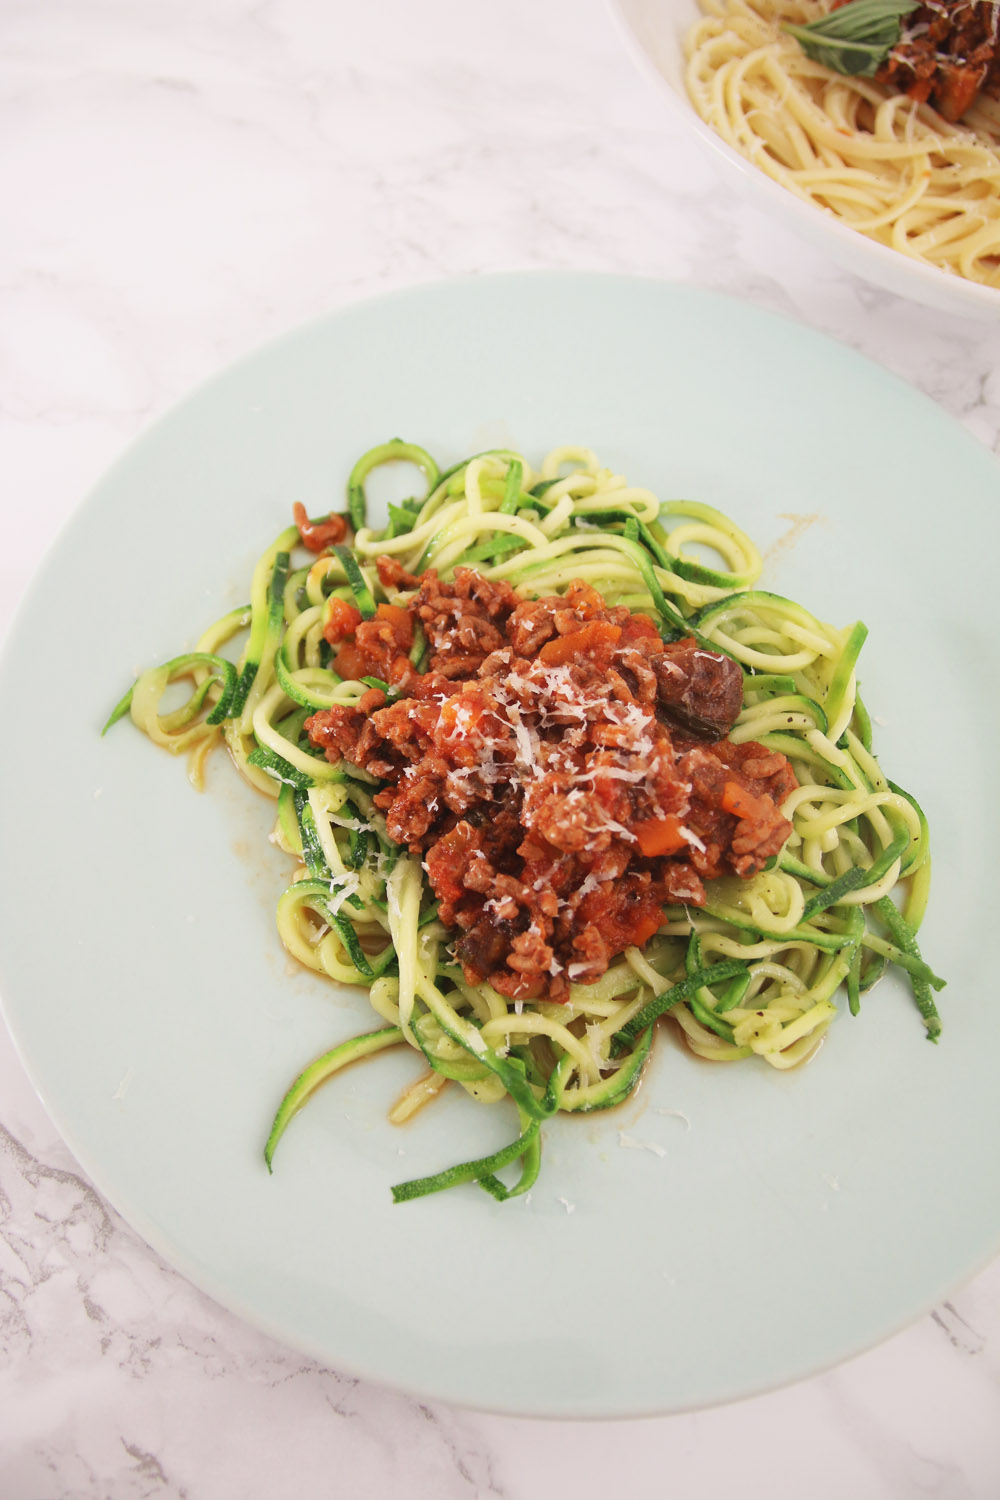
[891,168]
[754,973]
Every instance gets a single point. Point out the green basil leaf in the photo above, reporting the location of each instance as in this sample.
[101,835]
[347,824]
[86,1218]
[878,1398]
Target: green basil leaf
[855,39]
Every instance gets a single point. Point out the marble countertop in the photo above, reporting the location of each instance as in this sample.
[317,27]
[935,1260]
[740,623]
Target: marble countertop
[178,182]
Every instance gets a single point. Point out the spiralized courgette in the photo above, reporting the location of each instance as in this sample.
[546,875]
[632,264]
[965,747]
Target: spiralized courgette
[753,974]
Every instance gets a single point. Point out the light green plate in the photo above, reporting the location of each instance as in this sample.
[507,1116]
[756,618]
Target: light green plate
[731,1229]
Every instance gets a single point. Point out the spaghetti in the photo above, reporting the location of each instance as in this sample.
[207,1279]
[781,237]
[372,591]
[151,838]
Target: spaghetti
[748,965]
[886,165]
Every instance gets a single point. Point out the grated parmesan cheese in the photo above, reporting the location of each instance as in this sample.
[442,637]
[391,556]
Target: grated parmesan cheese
[624,1139]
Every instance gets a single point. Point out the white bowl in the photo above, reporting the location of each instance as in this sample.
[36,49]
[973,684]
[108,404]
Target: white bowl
[655,30]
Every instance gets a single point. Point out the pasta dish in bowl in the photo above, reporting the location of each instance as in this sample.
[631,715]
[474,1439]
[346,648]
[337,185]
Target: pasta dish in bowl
[885,152]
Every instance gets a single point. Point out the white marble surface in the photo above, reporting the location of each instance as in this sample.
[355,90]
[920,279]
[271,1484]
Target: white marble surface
[178,181]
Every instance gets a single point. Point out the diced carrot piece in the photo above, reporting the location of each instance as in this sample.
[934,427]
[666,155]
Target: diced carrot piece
[645,928]
[741,803]
[342,620]
[399,622]
[351,662]
[460,714]
[595,633]
[395,614]
[639,626]
[659,836]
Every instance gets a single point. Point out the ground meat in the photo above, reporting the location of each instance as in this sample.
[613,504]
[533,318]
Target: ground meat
[561,771]
[948,53]
[318,536]
[463,621]
[745,848]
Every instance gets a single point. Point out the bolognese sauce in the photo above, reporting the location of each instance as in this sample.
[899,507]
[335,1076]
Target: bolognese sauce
[561,771]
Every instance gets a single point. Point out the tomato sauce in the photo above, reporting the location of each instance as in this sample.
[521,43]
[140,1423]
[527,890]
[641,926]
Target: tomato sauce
[562,772]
